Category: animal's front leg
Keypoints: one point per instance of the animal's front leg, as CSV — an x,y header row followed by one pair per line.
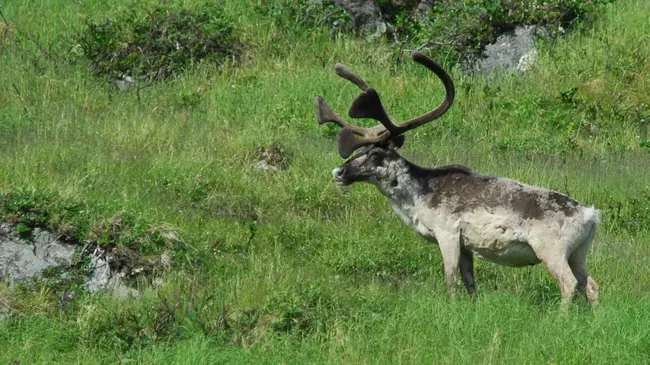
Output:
x,y
450,249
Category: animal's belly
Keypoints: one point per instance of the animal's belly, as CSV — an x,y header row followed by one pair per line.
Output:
x,y
506,253
498,239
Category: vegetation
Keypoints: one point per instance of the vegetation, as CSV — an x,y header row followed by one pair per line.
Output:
x,y
451,30
299,17
284,266
459,28
157,43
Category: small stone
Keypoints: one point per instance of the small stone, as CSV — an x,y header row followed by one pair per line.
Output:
x,y
101,278
263,165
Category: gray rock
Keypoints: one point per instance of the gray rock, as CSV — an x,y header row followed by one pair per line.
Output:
x,y
102,279
425,6
263,165
21,259
365,14
272,158
66,298
123,82
367,17
512,51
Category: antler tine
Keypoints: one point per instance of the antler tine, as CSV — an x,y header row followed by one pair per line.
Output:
x,y
325,114
347,74
442,108
347,143
368,105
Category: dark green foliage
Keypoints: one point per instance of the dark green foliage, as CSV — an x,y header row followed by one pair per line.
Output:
x,y
304,308
452,29
645,145
395,264
170,315
158,43
24,211
61,279
631,214
298,16
274,154
455,28
72,221
132,232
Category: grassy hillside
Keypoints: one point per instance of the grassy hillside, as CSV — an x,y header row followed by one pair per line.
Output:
x,y
287,267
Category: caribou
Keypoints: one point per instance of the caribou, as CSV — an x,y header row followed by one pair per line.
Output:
x,y
466,213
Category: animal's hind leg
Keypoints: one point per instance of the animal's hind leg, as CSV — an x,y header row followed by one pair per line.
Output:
x,y
557,264
592,291
559,268
586,284
577,261
450,249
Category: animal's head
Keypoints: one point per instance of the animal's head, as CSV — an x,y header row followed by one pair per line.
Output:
x,y
377,145
373,164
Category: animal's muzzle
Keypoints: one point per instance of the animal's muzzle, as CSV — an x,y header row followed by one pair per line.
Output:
x,y
339,176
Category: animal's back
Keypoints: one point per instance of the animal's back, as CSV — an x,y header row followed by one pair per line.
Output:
x,y
505,221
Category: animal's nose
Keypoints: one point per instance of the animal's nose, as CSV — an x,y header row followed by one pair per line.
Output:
x,y
338,172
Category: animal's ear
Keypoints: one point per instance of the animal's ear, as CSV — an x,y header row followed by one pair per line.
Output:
x,y
396,142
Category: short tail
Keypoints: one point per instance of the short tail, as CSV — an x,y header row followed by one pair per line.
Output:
x,y
592,215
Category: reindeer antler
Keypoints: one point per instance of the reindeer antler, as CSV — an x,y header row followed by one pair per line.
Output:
x,y
346,141
369,105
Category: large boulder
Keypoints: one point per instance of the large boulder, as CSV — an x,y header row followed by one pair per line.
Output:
x,y
513,50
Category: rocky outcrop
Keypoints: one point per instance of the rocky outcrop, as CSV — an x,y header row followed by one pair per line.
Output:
x,y
373,18
21,259
365,14
25,257
512,51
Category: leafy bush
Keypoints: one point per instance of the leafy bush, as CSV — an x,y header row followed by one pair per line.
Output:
x,y
456,28
452,27
297,16
158,43
25,213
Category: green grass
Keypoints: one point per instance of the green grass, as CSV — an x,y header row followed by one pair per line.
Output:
x,y
330,275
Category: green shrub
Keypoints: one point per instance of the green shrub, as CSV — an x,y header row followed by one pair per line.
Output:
x,y
156,43
459,27
298,16
452,28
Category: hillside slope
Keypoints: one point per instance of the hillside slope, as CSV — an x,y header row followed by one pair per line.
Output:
x,y
286,267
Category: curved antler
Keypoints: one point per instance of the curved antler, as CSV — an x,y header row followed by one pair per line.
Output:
x,y
345,139
369,105
347,74
450,93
